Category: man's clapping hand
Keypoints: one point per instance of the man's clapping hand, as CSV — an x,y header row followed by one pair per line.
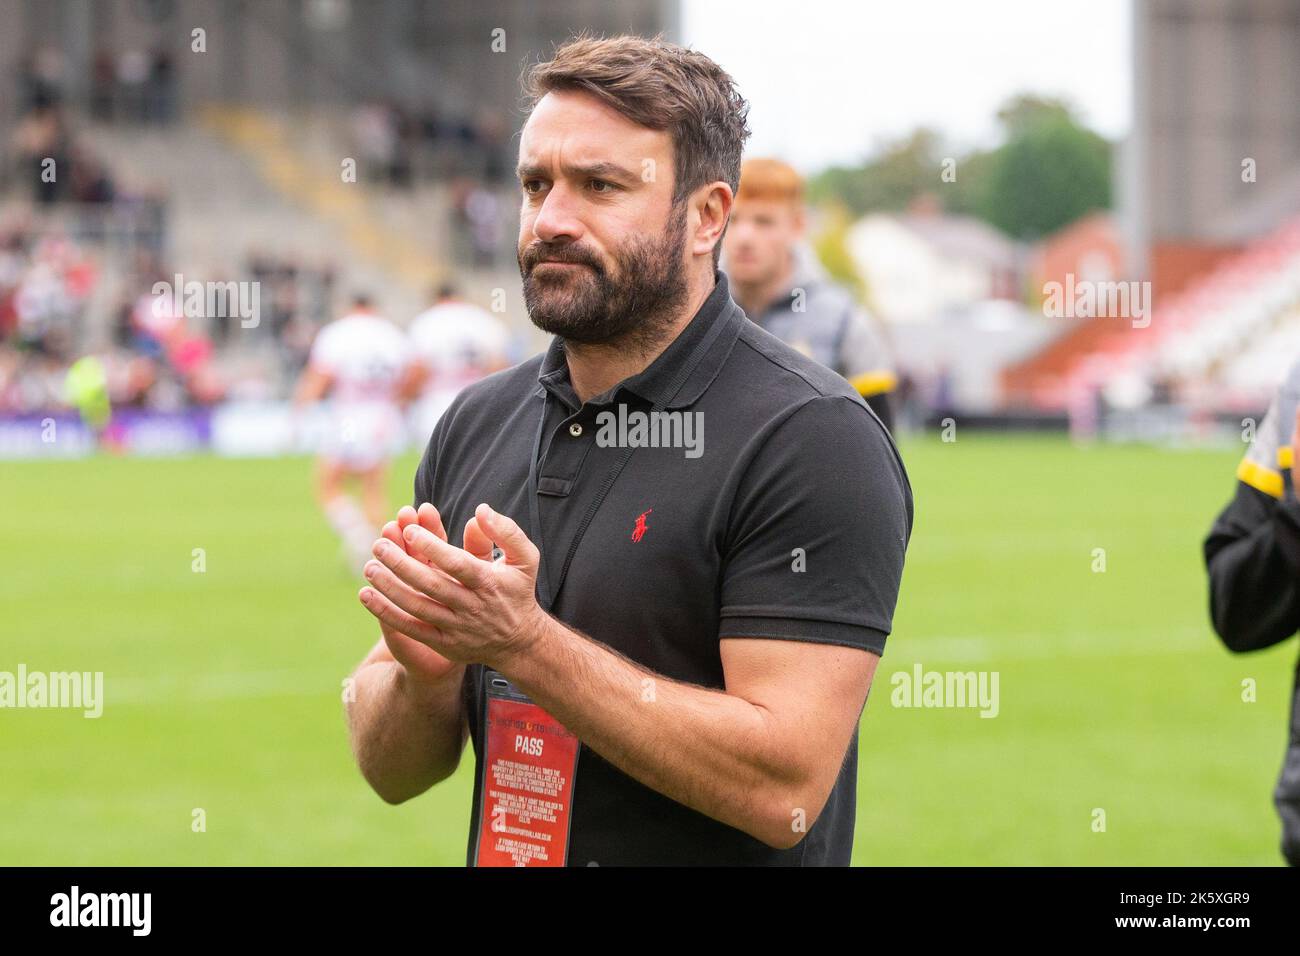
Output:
x,y
439,605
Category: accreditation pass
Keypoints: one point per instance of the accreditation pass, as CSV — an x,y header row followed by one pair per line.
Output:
x,y
526,801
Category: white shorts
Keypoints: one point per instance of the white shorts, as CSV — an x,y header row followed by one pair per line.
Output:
x,y
362,435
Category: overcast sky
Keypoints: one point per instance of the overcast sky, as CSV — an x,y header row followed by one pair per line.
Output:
x,y
828,80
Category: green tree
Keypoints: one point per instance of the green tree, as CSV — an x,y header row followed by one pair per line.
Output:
x,y
1049,172
1026,110
902,171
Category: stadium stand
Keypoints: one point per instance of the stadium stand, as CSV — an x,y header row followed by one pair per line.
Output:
x,y
1221,342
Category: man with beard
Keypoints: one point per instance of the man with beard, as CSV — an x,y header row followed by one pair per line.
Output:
x,y
659,658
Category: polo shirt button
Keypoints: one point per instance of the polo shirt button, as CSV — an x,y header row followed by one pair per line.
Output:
x,y
575,430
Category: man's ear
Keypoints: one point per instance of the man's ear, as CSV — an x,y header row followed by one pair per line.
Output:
x,y
711,208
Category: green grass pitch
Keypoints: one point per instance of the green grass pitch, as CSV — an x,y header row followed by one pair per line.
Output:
x,y
223,688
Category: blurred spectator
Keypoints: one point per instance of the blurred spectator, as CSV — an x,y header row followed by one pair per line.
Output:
x,y
57,167
76,280
103,84
159,104
90,182
158,358
493,142
375,130
479,214
42,148
40,79
403,146
133,71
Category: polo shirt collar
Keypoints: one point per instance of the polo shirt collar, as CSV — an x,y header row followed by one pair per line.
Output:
x,y
655,382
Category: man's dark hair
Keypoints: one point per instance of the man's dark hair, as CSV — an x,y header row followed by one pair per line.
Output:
x,y
660,86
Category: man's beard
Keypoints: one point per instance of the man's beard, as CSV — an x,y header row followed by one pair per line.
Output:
x,y
633,308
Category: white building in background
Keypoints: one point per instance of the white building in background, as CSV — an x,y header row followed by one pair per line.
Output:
x,y
950,290
920,266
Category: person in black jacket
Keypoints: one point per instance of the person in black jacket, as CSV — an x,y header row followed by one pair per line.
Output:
x,y
1253,557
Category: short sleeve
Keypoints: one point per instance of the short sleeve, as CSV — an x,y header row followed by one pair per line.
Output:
x,y
325,351
818,532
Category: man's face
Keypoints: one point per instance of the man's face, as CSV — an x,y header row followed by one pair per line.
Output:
x,y
602,249
760,239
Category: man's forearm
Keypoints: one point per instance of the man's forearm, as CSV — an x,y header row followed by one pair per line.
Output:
x,y
406,736
712,751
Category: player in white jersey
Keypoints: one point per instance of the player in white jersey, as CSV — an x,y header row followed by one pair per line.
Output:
x,y
457,343
362,366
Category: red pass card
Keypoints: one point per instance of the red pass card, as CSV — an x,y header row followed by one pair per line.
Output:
x,y
527,789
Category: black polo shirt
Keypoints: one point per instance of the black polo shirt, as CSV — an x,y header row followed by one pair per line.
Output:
x,y
789,521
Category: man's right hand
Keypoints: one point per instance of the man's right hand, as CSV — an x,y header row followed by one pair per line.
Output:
x,y
421,662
